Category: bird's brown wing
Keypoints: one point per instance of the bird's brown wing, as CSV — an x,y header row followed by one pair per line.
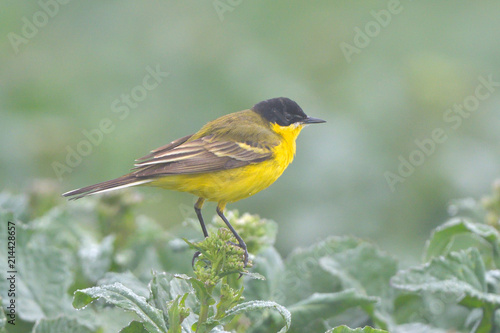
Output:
x,y
206,154
165,148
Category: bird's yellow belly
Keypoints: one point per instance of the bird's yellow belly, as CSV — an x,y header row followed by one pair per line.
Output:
x,y
234,184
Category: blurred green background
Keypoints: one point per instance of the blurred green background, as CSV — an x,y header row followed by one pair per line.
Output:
x,y
65,67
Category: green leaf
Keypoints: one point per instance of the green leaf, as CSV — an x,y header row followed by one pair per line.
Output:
x,y
460,234
17,205
148,249
254,276
418,328
44,274
259,305
96,258
437,309
60,324
460,275
134,327
303,275
228,299
324,306
99,315
218,329
177,312
200,289
121,296
364,268
337,264
345,329
166,287
269,264
128,279
161,292
368,270
493,281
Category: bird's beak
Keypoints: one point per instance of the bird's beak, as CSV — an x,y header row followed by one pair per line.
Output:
x,y
311,120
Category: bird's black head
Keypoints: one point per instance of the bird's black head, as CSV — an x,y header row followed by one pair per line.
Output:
x,y
283,111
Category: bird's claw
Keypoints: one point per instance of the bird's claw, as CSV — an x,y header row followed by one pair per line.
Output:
x,y
195,256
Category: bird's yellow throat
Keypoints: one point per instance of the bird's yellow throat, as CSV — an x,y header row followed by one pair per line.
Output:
x,y
288,147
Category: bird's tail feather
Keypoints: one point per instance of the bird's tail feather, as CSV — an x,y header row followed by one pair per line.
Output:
x,y
110,185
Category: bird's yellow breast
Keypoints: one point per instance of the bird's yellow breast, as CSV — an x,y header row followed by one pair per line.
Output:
x,y
235,184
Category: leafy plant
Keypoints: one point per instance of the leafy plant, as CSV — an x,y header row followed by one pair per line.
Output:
x,y
98,266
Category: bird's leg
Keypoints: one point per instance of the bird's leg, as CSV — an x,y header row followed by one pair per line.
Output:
x,y
241,243
197,209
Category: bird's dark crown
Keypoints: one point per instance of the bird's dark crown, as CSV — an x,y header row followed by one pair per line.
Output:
x,y
282,111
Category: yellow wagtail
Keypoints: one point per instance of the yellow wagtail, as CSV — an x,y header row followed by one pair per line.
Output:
x,y
229,159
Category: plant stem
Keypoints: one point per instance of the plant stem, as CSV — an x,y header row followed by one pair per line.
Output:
x,y
202,317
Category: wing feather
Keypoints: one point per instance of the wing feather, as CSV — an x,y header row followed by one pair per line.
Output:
x,y
240,139
166,147
200,156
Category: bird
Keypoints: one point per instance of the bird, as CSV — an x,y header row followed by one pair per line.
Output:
x,y
230,158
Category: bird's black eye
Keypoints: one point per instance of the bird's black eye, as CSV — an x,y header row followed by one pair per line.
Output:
x,y
282,119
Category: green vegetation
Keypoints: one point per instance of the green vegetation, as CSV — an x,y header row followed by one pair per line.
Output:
x,y
73,96
95,265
